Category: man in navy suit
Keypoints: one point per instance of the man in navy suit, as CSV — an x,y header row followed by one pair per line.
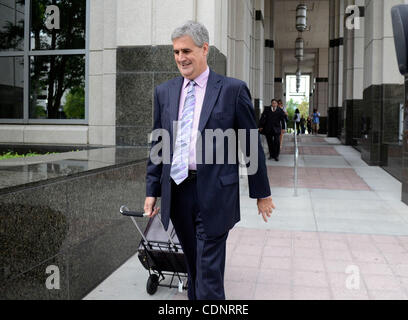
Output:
x,y
202,198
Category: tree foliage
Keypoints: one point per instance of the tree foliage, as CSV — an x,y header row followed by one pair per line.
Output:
x,y
291,106
304,108
74,104
56,74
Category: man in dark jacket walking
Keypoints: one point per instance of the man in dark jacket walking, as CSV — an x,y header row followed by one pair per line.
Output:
x,y
271,123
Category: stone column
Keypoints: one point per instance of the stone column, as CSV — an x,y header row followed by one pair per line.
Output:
x,y
383,84
353,73
102,73
321,94
269,65
239,40
256,84
335,66
279,80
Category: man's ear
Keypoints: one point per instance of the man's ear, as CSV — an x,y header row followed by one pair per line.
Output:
x,y
205,47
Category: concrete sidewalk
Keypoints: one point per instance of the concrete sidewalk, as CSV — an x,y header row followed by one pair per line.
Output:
x,y
345,236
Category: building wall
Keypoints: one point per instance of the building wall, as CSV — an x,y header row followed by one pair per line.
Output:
x,y
122,24
383,84
240,13
353,69
336,61
269,53
102,72
70,223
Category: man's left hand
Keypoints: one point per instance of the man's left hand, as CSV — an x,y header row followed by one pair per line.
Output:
x,y
265,207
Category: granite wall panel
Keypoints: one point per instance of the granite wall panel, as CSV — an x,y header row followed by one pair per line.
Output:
x,y
323,125
334,121
392,159
73,223
379,120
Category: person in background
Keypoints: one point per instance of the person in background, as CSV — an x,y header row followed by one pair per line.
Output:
x,y
302,125
271,123
296,118
283,108
315,122
309,125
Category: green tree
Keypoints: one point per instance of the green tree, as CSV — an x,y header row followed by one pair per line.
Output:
x,y
40,112
74,104
64,72
304,108
291,106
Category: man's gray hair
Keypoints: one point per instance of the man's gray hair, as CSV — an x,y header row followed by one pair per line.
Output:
x,y
197,31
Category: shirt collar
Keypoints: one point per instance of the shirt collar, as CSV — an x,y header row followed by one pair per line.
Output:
x,y
201,80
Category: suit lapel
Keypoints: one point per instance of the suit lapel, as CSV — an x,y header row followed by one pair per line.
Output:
x,y
174,98
214,85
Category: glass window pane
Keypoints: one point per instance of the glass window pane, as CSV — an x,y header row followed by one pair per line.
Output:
x,y
11,25
11,87
57,87
60,28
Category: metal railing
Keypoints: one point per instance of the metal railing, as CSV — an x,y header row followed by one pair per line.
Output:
x,y
296,158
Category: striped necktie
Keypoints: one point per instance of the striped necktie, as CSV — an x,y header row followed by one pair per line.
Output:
x,y
179,166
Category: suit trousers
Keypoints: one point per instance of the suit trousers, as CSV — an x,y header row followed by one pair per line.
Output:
x,y
273,144
205,256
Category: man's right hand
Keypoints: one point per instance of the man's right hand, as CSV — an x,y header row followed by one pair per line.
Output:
x,y
149,206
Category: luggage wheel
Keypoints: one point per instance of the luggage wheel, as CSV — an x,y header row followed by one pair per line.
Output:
x,y
152,284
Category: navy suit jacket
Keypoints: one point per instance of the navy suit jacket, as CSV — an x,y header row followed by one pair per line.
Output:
x,y
227,105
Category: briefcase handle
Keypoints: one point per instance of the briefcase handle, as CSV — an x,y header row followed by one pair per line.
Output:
x,y
126,212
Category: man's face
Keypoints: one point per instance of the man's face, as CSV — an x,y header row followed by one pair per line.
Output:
x,y
274,104
191,60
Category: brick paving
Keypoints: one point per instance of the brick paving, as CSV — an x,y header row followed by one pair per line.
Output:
x,y
320,178
306,139
269,264
311,150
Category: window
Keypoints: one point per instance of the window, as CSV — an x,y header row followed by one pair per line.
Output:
x,y
43,61
67,32
11,87
304,88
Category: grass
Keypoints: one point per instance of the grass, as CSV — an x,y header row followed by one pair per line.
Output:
x,y
12,155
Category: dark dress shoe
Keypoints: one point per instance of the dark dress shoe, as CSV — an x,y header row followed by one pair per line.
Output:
x,y
277,159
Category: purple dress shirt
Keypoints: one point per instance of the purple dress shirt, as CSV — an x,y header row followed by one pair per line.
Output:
x,y
200,87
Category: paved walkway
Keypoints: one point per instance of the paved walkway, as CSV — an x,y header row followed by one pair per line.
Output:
x,y
345,236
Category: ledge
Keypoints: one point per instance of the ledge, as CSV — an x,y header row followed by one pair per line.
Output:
x,y
33,133
25,172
